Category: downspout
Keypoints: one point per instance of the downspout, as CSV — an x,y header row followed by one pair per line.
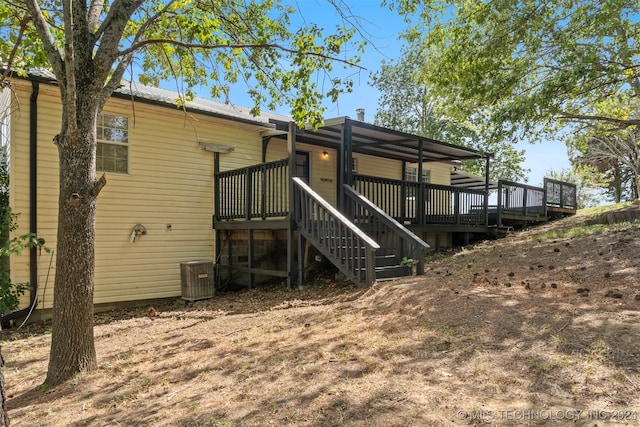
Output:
x,y
33,203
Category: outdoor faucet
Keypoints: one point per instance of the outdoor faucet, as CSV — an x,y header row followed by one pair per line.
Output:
x,y
137,230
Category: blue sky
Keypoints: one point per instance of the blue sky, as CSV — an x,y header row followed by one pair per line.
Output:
x,y
382,27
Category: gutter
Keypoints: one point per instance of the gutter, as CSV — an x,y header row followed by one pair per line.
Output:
x,y
33,204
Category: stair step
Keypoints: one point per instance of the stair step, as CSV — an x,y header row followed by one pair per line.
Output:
x,y
392,272
386,260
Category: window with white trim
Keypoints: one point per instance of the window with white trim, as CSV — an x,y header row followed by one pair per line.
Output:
x,y
113,143
411,175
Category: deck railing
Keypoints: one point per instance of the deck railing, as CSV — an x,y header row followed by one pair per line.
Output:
x,y
424,203
520,199
337,238
561,194
385,230
454,205
258,191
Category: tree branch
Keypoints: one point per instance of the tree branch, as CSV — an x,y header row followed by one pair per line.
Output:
x,y
621,123
23,25
69,60
110,35
93,15
98,185
48,42
141,44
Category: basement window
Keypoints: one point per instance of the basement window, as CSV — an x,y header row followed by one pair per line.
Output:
x,y
113,143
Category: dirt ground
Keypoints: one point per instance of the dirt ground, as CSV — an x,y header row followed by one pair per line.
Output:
x,y
539,328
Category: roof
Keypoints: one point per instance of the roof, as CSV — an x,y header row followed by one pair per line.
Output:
x,y
366,138
472,182
168,98
382,142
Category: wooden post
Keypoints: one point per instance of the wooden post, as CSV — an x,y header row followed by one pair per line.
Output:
x,y
346,171
229,253
301,260
486,191
403,193
263,202
216,186
419,197
291,151
499,209
456,205
250,254
247,194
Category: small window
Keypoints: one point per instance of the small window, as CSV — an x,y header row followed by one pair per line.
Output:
x,y
354,165
411,174
113,143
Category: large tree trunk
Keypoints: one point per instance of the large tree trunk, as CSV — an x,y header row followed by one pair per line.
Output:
x,y
4,416
72,344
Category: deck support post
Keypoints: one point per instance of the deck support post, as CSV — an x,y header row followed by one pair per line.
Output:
x,y
499,208
250,255
291,151
300,260
345,174
420,196
486,190
229,253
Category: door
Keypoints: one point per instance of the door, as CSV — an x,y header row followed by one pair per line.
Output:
x,y
302,165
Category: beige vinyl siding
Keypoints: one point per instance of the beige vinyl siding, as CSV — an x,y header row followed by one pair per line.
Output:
x,y
440,173
323,171
378,166
19,178
170,181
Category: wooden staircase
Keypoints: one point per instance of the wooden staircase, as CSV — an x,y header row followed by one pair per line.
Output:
x,y
355,253
390,266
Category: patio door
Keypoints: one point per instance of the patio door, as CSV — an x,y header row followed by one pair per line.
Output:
x,y
302,165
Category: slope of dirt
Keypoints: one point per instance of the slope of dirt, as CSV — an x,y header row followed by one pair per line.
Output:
x,y
538,328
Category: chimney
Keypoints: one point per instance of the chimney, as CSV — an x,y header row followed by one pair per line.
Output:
x,y
360,112
225,89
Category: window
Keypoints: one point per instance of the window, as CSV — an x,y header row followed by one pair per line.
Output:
x,y
113,143
302,165
411,174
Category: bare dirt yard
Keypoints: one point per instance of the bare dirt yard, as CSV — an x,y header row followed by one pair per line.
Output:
x,y
539,328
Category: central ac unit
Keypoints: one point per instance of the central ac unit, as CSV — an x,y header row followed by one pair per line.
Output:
x,y
198,280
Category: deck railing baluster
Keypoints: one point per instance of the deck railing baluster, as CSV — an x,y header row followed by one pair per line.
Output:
x,y
259,191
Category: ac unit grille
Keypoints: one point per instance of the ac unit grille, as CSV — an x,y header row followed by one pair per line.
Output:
x,y
198,281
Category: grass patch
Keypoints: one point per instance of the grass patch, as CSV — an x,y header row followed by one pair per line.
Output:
x,y
586,230
597,210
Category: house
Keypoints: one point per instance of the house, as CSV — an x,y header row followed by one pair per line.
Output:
x,y
254,196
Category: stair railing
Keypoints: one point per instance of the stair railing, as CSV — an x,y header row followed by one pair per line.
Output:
x,y
386,230
337,238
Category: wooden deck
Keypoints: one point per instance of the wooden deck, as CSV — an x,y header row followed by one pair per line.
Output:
x,y
260,197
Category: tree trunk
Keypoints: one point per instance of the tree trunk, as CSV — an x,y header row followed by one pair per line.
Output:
x,y
72,344
4,416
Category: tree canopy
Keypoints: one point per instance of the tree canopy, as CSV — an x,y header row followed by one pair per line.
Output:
x,y
212,43
531,65
407,103
90,45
